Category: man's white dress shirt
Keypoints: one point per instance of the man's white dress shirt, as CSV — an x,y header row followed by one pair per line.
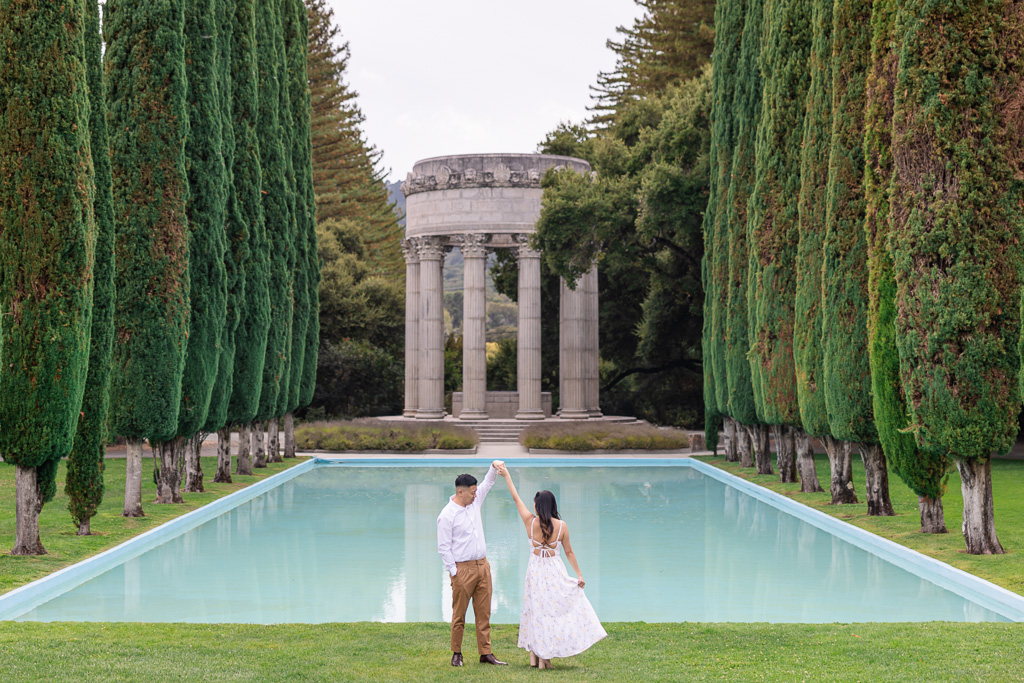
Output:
x,y
460,531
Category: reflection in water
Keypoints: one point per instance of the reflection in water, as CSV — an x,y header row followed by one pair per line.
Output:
x,y
657,544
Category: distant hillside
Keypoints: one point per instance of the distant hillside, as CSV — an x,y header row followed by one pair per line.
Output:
x,y
396,197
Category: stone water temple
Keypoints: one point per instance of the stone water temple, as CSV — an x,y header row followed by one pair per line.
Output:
x,y
480,202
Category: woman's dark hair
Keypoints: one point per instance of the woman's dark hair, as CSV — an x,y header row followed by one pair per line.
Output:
x,y
547,509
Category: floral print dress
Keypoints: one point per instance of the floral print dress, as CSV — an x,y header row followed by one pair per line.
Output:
x,y
557,619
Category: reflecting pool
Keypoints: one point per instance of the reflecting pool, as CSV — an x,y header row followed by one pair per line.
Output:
x,y
358,543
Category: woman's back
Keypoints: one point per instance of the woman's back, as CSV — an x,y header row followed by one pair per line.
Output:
x,y
546,548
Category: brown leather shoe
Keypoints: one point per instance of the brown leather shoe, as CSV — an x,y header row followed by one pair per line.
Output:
x,y
456,659
491,659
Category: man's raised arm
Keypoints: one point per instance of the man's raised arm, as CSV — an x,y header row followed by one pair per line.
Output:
x,y
486,484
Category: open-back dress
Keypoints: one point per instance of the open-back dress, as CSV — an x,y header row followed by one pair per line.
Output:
x,y
557,619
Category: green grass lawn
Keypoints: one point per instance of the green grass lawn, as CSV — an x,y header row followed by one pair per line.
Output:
x,y
58,532
419,652
904,528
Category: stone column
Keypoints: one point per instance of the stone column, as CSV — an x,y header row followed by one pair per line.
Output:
x,y
474,328
573,379
593,378
430,370
528,361
410,248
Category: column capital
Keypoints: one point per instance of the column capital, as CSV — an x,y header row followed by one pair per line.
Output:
x,y
410,248
432,248
473,245
523,245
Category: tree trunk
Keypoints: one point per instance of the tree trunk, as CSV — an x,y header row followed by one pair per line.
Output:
x,y
762,450
840,463
273,441
243,466
289,435
805,463
223,475
28,503
876,480
259,444
133,479
193,464
731,454
785,453
744,447
84,529
747,455
168,485
933,519
979,518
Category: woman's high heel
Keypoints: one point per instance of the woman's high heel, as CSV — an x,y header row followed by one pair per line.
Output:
x,y
545,664
534,659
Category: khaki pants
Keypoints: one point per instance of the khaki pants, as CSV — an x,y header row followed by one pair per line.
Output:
x,y
472,581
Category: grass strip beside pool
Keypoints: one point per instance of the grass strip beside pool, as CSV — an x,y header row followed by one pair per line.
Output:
x,y
904,528
58,533
419,652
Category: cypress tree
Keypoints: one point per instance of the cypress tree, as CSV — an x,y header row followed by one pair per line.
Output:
x,y
235,252
207,242
772,215
807,327
145,62
84,483
747,106
712,418
846,368
254,311
924,472
955,211
274,129
298,88
46,247
729,18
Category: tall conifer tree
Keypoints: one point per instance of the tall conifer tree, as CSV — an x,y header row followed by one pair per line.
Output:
x,y
297,38
46,247
236,248
84,483
956,209
772,219
207,240
729,17
145,62
250,249
274,128
846,370
807,327
923,471
346,181
747,105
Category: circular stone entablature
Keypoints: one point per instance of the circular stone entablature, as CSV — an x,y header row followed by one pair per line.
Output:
x,y
498,194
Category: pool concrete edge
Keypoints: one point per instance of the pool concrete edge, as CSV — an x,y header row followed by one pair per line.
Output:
x,y
26,598
974,588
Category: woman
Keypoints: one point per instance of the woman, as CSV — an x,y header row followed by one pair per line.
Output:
x,y
557,619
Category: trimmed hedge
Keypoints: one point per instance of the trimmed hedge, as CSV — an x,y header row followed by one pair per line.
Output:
x,y
587,437
374,435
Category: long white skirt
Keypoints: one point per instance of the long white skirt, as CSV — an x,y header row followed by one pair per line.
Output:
x,y
557,619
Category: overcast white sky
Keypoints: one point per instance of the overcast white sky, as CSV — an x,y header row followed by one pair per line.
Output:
x,y
439,77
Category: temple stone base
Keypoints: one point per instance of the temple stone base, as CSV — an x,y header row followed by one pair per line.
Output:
x,y
502,405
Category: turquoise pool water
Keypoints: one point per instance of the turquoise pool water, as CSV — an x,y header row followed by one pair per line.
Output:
x,y
358,543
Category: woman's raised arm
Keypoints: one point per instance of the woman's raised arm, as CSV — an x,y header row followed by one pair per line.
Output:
x,y
524,512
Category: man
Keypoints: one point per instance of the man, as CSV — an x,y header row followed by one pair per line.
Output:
x,y
460,540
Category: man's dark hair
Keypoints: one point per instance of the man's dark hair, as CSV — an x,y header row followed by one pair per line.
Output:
x,y
465,481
